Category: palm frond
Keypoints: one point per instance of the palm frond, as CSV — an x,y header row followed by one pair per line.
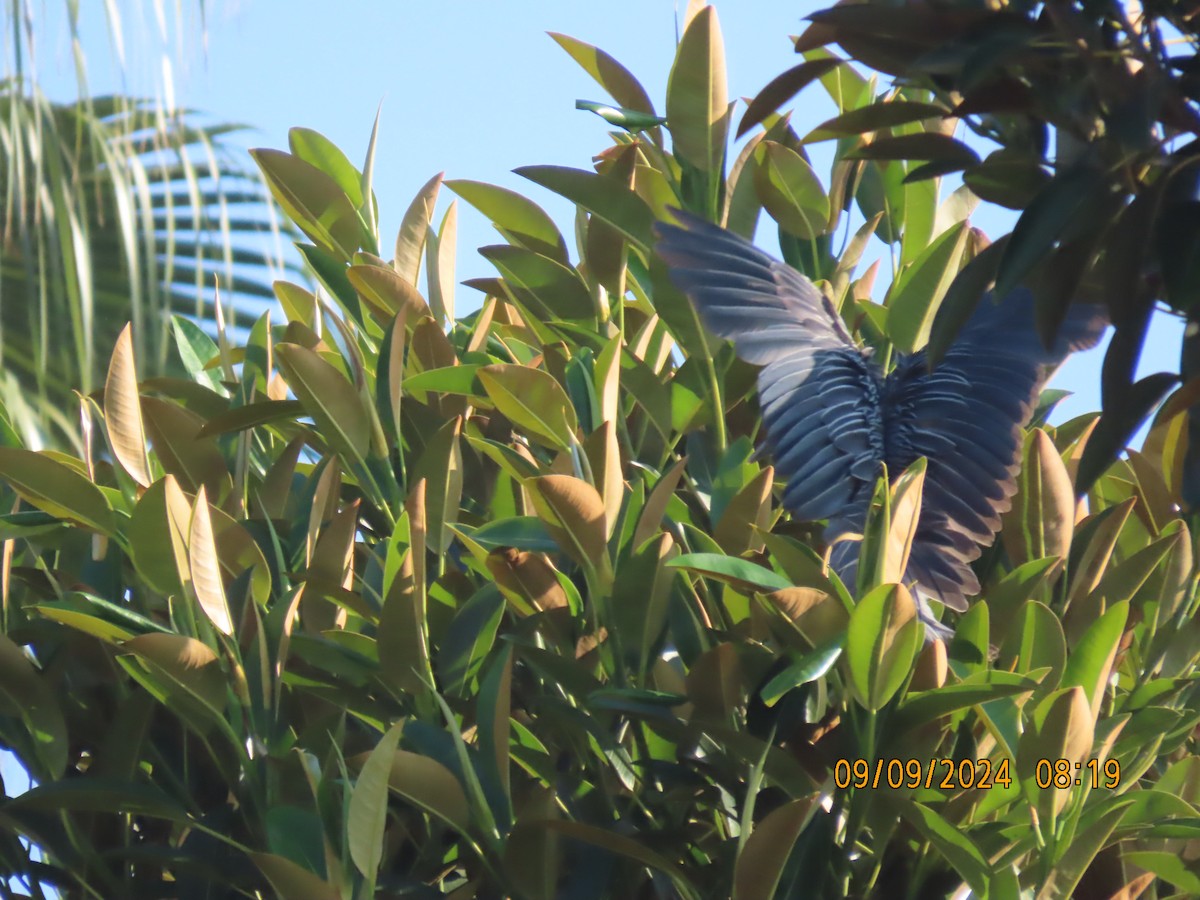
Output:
x,y
116,210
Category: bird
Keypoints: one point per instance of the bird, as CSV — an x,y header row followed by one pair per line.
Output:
x,y
833,419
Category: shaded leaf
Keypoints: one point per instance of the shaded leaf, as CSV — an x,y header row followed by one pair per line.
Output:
x,y
56,489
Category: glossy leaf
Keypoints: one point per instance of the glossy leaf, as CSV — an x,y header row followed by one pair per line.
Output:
x,y
915,299
697,104
533,400
608,73
312,199
615,204
882,643
328,397
57,489
573,511
790,191
519,219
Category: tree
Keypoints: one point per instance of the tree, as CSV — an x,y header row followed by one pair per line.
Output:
x,y
1091,109
115,208
505,606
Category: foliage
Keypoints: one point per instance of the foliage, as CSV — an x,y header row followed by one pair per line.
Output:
x,y
386,602
1089,111
114,207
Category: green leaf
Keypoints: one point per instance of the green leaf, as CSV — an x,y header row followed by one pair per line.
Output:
x,y
533,401
1009,177
1078,855
28,695
440,252
790,190
1117,425
555,289
952,843
441,465
914,300
783,88
469,639
740,573
604,197
873,118
1167,866
329,398
697,103
962,297
196,350
519,219
56,489
1092,657
930,145
241,418
158,536
186,675
101,795
522,532
808,668
882,642
608,73
297,834
926,706
182,447
495,708
313,200
317,150
1054,209
1036,642
367,813
1043,512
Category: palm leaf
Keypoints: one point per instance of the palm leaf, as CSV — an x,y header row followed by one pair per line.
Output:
x,y
116,211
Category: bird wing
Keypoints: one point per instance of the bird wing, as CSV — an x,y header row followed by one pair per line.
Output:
x,y
820,396
967,418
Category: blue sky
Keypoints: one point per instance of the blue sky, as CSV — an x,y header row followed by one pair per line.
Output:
x,y
470,88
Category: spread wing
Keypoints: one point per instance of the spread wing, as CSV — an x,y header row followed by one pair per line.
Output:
x,y
967,417
820,396
831,419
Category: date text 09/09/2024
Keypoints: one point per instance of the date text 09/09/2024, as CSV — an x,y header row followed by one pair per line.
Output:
x,y
949,774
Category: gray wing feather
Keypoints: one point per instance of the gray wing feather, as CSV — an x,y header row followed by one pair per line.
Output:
x,y
831,419
967,418
819,394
